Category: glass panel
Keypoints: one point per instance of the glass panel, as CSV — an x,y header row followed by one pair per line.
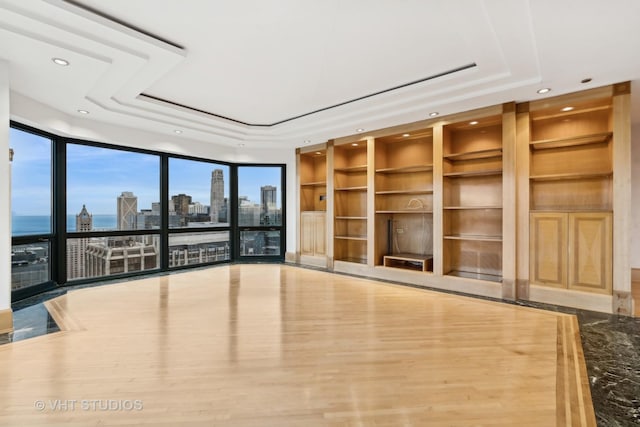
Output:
x,y
260,242
29,265
259,196
198,248
111,189
30,183
104,256
198,194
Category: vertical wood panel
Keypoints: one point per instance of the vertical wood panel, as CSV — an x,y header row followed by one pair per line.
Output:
x,y
509,228
522,200
548,249
590,252
438,194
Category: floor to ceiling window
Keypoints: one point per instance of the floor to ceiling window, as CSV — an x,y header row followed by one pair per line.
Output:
x,y
260,214
113,211
199,212
31,209
82,211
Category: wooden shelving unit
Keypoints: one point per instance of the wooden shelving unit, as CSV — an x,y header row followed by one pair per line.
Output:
x,y
350,202
312,170
571,194
404,200
472,198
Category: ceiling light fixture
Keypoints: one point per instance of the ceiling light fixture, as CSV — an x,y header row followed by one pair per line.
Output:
x,y
567,109
544,90
318,153
587,80
83,112
406,135
435,113
60,61
473,123
307,141
359,130
355,144
178,131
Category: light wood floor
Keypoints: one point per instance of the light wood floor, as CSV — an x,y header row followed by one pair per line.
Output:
x,y
273,345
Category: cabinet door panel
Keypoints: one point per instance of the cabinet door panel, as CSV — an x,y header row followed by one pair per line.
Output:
x,y
590,252
307,233
320,228
548,247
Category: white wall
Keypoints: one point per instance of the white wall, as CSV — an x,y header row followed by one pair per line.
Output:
x,y
635,196
27,111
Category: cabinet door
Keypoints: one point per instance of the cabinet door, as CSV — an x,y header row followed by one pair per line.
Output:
x,y
307,233
590,252
548,249
320,229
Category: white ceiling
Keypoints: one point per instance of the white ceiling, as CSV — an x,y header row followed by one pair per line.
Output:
x,y
271,65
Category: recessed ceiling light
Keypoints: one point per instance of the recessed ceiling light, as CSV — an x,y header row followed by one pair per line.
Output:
x,y
355,144
567,109
83,112
307,141
587,80
544,90
435,113
406,134
318,152
473,123
60,61
359,130
178,131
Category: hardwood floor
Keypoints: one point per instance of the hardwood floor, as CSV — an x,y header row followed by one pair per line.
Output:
x,y
275,345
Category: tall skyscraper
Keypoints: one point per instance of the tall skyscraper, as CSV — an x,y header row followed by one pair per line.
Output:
x,y
217,195
127,211
77,248
268,199
181,204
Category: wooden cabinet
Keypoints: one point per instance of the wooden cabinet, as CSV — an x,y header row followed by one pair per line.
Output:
x,y
572,250
404,200
312,171
571,193
313,235
472,198
350,202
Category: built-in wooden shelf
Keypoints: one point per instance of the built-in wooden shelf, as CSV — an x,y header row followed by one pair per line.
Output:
x,y
471,207
570,176
357,168
404,211
596,138
357,237
473,237
569,210
475,155
409,261
357,188
352,217
463,174
406,169
314,184
417,191
474,275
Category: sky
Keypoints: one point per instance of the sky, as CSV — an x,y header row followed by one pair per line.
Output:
x,y
97,176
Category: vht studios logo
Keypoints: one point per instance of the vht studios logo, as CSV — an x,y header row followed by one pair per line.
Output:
x,y
63,405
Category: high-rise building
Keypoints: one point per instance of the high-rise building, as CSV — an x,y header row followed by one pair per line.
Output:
x,y
181,204
107,256
268,200
127,211
217,195
77,248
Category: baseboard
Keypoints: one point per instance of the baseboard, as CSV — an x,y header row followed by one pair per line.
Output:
x,y
6,321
